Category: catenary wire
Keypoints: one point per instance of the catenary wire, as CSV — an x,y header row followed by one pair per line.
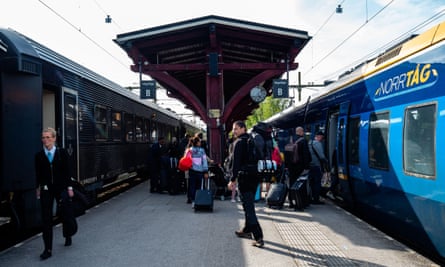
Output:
x,y
85,35
349,37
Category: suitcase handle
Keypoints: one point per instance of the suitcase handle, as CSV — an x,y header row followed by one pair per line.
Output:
x,y
208,183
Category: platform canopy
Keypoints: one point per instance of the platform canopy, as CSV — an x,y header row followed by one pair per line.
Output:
x,y
211,63
181,50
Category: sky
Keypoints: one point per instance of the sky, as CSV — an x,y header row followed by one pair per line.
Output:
x,y
77,29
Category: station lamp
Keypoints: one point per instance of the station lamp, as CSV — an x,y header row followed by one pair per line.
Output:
x,y
339,9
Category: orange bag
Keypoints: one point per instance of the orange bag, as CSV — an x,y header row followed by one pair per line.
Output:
x,y
185,163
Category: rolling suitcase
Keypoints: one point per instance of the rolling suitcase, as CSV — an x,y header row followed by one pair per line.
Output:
x,y
276,195
300,192
204,197
277,192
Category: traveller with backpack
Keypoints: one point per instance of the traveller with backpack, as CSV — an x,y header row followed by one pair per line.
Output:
x,y
318,164
297,158
247,183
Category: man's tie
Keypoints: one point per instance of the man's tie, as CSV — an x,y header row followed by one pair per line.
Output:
x,y
50,157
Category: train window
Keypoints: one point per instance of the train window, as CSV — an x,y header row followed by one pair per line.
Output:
x,y
70,117
139,126
154,132
129,127
100,117
353,139
378,140
418,141
146,131
116,126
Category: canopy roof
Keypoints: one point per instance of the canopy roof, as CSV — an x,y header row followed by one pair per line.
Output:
x,y
245,50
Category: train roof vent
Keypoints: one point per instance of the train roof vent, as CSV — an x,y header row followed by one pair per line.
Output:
x,y
388,55
393,51
30,67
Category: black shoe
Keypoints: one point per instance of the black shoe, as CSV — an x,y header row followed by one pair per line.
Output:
x,y
241,234
189,201
258,243
45,255
68,241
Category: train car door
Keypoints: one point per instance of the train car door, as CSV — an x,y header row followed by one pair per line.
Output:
x,y
71,129
345,186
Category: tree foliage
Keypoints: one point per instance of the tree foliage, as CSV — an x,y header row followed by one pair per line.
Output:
x,y
269,107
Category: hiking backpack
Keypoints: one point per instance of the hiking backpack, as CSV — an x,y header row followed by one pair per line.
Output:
x,y
259,152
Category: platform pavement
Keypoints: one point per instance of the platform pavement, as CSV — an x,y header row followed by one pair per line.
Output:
x,y
138,228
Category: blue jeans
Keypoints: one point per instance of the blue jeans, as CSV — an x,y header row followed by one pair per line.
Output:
x,y
251,224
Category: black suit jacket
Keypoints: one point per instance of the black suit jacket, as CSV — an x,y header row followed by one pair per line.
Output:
x,y
55,175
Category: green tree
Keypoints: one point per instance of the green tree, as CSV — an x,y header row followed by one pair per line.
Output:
x,y
269,107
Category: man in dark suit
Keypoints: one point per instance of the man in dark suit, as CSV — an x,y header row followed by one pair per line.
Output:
x,y
53,183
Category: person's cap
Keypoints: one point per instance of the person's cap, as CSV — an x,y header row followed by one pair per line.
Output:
x,y
319,133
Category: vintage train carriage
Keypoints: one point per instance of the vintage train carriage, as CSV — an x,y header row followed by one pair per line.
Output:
x,y
106,129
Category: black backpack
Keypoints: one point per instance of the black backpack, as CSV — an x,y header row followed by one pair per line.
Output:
x,y
259,151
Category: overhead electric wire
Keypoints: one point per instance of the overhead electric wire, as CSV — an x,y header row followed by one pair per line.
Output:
x,y
349,37
326,21
394,41
85,35
406,34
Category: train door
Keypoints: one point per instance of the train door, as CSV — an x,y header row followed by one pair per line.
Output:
x,y
70,128
344,181
331,139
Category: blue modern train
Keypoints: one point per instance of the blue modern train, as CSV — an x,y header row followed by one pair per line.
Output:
x,y
383,121
106,129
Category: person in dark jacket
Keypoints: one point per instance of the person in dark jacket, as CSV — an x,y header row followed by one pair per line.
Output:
x,y
247,184
303,160
159,166
53,183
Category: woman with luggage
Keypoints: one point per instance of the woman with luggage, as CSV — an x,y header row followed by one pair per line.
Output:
x,y
199,170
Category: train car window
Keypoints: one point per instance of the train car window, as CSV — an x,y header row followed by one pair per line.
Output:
x,y
283,138
353,139
70,117
100,117
154,132
378,141
146,131
116,126
418,141
129,127
138,129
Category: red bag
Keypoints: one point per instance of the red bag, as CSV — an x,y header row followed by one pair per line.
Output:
x,y
276,155
185,163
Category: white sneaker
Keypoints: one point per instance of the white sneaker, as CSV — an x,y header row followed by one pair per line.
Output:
x,y
193,205
233,201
